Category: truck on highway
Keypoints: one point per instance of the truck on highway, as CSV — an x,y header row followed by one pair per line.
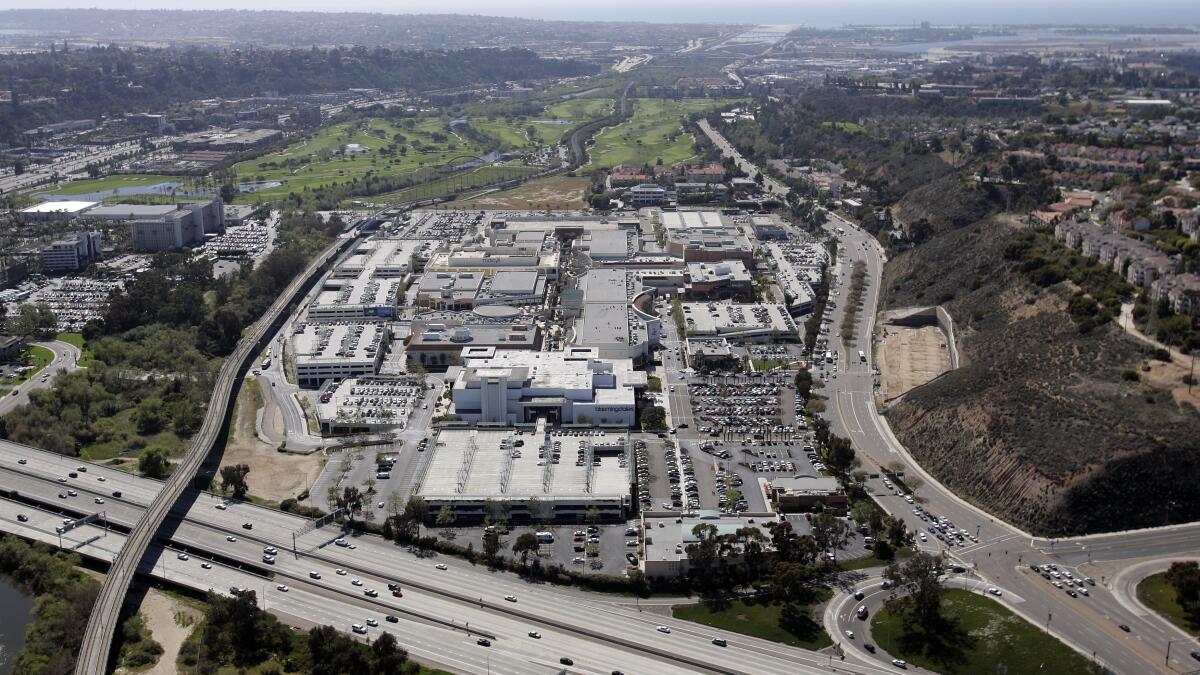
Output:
x,y
862,356
266,363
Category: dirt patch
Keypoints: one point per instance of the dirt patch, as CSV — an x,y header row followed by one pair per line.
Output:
x,y
1171,376
909,357
274,475
170,622
555,192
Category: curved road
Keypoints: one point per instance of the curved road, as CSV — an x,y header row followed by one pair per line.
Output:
x,y
66,358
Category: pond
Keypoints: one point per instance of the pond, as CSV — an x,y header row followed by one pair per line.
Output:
x,y
14,620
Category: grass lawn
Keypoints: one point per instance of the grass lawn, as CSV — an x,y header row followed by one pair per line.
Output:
x,y
75,339
872,561
765,619
989,639
457,183
646,137
852,127
316,159
112,182
1156,593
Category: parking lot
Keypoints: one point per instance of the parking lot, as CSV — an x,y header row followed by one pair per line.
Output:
x,y
575,547
752,412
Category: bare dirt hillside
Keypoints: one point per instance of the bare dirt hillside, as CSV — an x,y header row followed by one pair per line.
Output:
x,y
1042,425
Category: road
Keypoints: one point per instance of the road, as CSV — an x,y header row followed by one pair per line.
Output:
x,y
602,633
1002,554
97,642
769,184
43,173
66,358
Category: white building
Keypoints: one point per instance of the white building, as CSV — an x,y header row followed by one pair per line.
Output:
x,y
56,210
572,387
73,254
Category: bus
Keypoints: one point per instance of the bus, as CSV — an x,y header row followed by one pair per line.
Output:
x,y
862,356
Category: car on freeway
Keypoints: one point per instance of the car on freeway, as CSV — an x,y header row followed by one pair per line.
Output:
x,y
206,565
371,593
269,559
1123,627
858,595
98,500
182,556
535,635
994,591
220,507
271,550
62,495
230,537
441,566
566,661
664,629
340,572
117,494
483,642
397,593
314,575
720,642
248,526
356,582
73,493
900,663
358,628
282,587
372,623
22,518
510,598
392,618
869,647
101,479
22,461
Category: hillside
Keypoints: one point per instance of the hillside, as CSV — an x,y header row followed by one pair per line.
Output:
x,y
1042,424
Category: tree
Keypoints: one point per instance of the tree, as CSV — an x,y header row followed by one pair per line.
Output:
x,y
525,544
389,657
445,517
491,543
233,477
35,322
153,463
918,578
840,455
416,511
654,417
592,516
1184,577
829,531
867,513
149,417
228,193
351,500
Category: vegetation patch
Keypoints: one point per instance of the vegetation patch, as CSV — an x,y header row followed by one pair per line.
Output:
x,y
1174,595
790,624
978,636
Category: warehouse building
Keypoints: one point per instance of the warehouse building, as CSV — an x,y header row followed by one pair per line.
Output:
x,y
609,320
337,351
437,345
514,474
571,387
55,210
667,536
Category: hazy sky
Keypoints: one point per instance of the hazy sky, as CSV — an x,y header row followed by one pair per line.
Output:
x,y
812,12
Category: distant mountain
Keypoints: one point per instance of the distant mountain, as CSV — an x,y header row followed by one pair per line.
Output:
x,y
303,29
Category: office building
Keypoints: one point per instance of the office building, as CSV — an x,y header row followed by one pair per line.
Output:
x,y
71,254
571,387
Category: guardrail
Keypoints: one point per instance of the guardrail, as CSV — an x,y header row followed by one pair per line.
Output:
x,y
97,641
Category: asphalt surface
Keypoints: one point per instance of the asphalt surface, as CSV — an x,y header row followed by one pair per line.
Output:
x,y
601,633
66,358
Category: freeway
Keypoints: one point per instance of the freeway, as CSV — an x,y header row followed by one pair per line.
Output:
x,y
604,630
44,173
94,655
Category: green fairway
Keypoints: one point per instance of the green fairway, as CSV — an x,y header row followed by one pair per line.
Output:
x,y
401,148
458,183
113,182
981,636
766,619
1157,593
652,133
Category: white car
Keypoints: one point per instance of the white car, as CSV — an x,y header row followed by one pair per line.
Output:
x,y
101,478
205,565
356,582
99,500
221,507
440,566
994,591
314,575
340,572
664,629
282,587
510,598
372,623
230,538
182,556
850,634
